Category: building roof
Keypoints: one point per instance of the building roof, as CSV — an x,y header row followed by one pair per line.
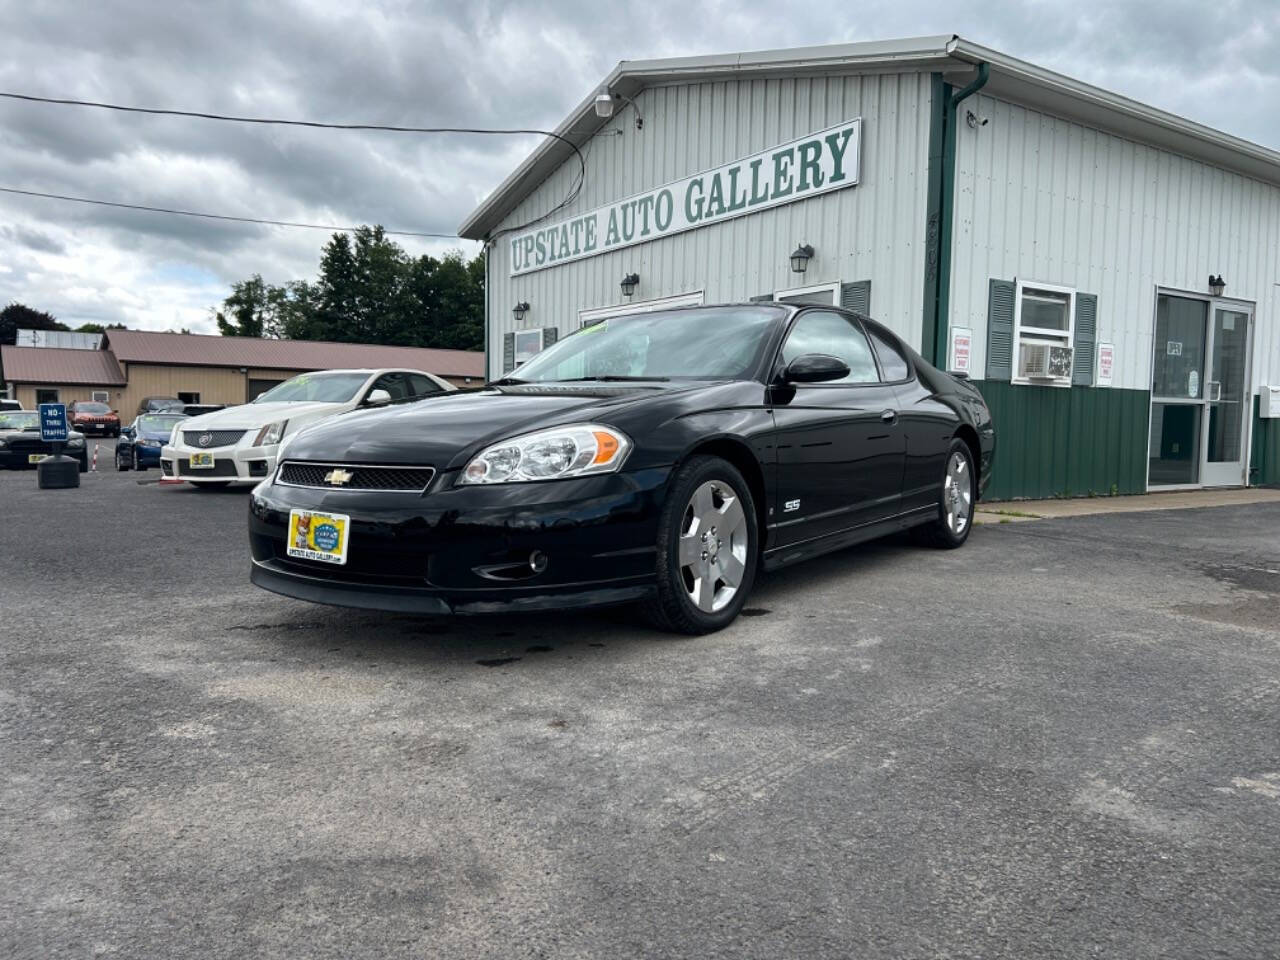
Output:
x,y
60,365
956,58
200,350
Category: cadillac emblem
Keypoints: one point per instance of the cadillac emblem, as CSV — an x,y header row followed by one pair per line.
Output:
x,y
338,477
205,439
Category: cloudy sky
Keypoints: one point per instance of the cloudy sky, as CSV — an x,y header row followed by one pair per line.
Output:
x,y
480,63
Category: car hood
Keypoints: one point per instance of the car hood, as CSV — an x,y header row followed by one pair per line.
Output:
x,y
249,416
444,430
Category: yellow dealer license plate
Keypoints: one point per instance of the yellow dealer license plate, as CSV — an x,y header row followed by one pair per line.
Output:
x,y
318,536
35,457
202,461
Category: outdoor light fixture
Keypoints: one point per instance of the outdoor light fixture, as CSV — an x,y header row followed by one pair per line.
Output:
x,y
800,259
1216,285
629,284
604,106
519,310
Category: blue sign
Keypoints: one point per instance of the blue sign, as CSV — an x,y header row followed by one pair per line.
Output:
x,y
53,421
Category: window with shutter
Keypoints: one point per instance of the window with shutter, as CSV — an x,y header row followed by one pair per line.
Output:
x,y
1085,338
856,297
1000,301
1044,320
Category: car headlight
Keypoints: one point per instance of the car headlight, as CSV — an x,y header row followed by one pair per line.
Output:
x,y
173,436
75,443
577,450
4,442
270,434
148,443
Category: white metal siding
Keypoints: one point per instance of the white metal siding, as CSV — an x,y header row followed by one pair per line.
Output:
x,y
872,231
1045,199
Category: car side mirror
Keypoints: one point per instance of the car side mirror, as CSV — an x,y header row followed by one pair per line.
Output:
x,y
815,368
376,397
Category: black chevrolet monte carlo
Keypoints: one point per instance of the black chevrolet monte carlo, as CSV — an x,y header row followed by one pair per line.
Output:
x,y
661,458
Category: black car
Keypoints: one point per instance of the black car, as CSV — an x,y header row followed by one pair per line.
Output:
x,y
660,457
21,447
160,405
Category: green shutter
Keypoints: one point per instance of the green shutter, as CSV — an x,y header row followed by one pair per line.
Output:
x,y
763,298
508,352
1086,338
549,336
856,297
1000,297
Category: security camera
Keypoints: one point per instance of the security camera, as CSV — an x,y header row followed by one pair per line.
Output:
x,y
971,118
604,106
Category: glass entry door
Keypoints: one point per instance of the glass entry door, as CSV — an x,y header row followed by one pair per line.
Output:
x,y
1199,393
1227,398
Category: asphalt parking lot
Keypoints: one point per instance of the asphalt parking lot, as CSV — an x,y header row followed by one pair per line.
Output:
x,y
1060,741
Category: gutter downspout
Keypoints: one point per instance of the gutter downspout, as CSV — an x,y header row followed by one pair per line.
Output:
x,y
942,183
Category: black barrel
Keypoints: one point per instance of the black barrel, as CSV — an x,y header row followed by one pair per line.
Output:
x,y
58,473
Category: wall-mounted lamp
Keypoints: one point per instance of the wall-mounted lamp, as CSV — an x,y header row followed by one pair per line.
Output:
x,y
800,259
629,284
1217,285
519,310
606,103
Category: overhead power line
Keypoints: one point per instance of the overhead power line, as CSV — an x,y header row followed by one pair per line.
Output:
x,y
317,125
217,216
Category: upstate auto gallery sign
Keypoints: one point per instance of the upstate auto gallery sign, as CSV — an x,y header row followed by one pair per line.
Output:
x,y
818,163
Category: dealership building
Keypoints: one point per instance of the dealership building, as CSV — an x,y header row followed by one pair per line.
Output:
x,y
1107,273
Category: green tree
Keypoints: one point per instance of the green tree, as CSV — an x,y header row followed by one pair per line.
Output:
x,y
18,316
368,291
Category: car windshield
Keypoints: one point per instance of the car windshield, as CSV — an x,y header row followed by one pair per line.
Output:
x,y
721,343
315,388
160,404
19,420
158,423
92,408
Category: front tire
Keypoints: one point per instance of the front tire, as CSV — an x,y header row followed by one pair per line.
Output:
x,y
708,549
137,461
956,501
120,464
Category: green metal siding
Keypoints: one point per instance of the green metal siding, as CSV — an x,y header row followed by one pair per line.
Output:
x,y
1058,442
1264,465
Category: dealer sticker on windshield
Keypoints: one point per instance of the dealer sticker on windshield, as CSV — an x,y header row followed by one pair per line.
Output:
x,y
318,536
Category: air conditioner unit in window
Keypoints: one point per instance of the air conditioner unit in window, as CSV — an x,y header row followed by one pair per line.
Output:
x,y
1044,361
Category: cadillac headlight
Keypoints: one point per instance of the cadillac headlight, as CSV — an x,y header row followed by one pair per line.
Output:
x,y
270,434
578,450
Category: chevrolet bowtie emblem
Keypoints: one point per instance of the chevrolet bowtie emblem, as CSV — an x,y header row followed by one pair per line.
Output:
x,y
338,477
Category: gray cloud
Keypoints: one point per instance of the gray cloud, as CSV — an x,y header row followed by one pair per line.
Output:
x,y
487,63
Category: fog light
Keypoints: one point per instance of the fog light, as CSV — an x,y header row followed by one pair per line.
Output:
x,y
537,561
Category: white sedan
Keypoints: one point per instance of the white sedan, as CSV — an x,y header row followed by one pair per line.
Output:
x,y
241,444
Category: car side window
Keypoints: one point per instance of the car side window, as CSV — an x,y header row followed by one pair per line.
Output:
x,y
830,333
396,384
892,362
423,386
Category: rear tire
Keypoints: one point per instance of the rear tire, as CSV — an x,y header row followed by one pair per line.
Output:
x,y
707,549
957,497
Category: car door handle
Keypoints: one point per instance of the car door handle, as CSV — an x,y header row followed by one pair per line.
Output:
x,y
889,416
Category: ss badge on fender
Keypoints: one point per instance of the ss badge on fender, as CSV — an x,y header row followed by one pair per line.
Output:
x,y
791,506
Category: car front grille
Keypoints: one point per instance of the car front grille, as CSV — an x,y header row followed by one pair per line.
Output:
x,y
356,477
217,438
221,468
27,447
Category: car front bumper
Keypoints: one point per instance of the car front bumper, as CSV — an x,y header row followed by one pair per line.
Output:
x,y
470,549
99,428
239,464
21,459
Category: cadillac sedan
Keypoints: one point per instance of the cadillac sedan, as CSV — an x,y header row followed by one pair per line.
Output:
x,y
661,458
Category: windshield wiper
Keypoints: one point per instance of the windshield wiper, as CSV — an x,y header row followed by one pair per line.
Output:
x,y
612,378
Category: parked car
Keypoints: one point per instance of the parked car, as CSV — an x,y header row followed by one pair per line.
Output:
x,y
196,409
240,444
21,447
10,405
160,405
661,457
140,442
90,416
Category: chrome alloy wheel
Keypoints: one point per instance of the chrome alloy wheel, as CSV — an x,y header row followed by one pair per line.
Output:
x,y
957,494
713,546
